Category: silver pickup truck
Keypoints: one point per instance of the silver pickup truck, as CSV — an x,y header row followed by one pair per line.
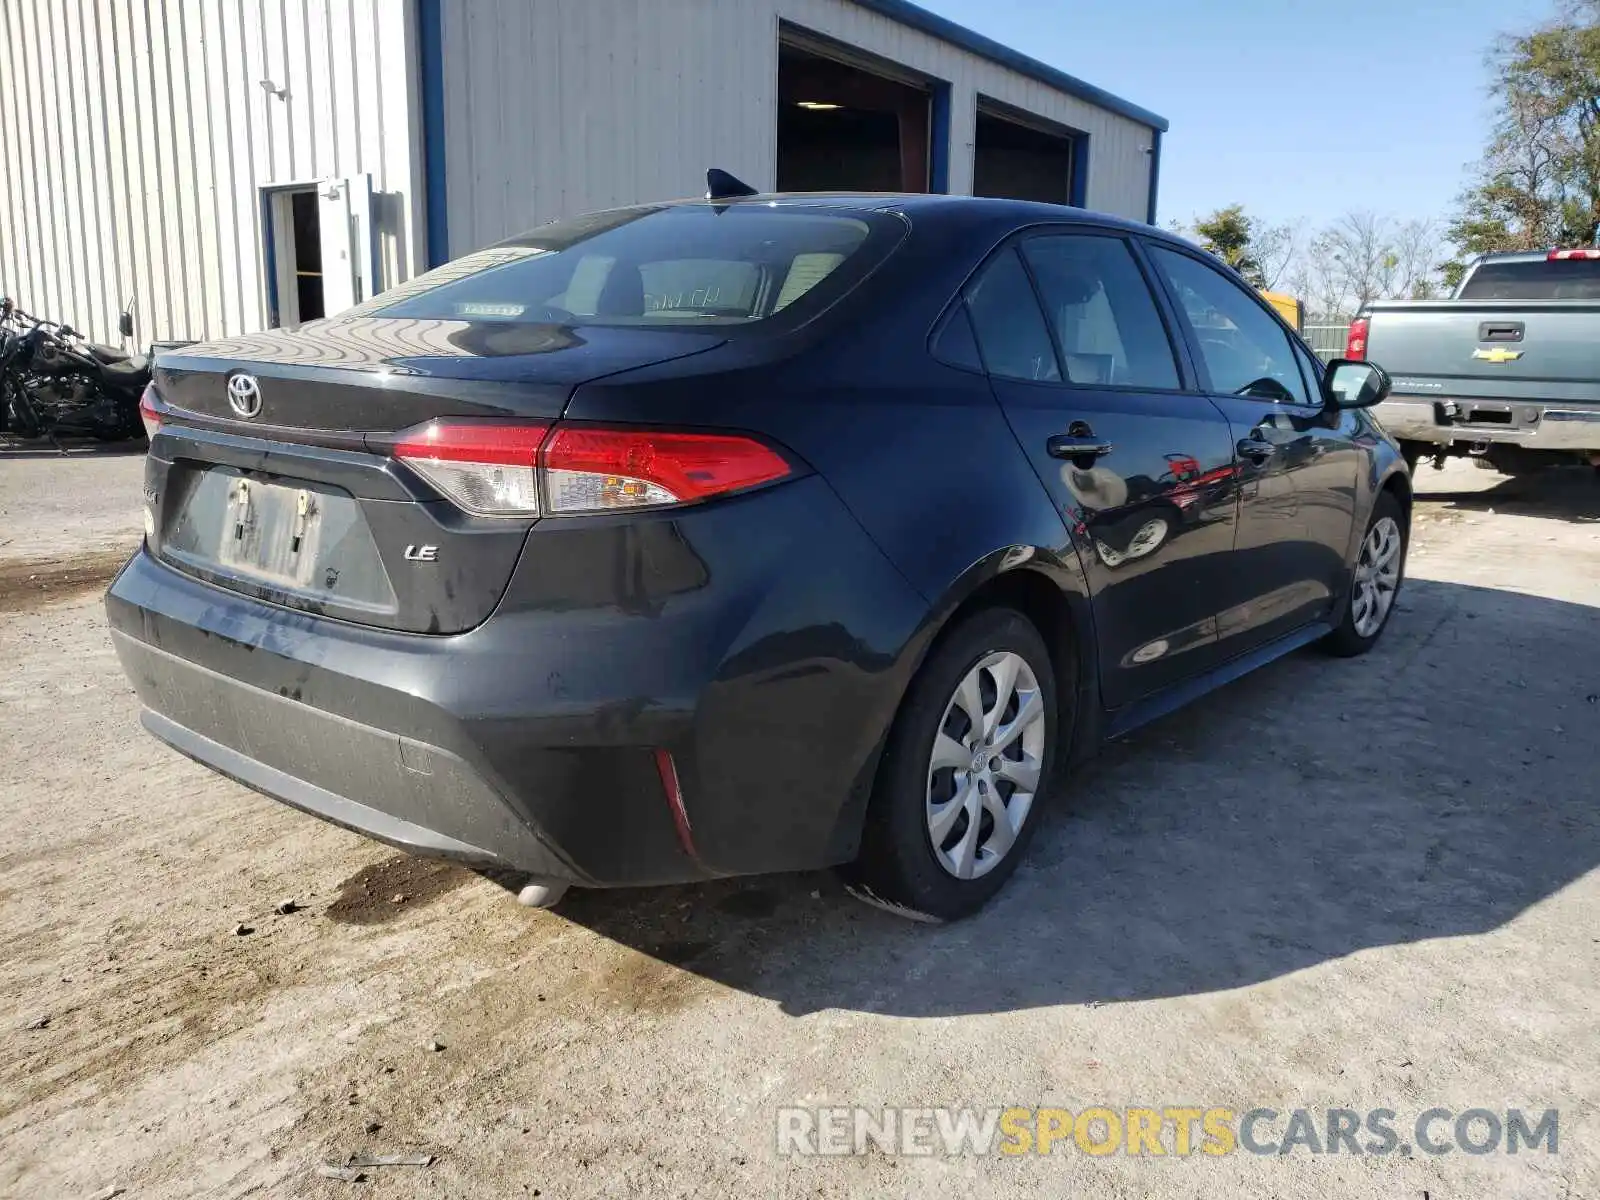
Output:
x,y
1508,371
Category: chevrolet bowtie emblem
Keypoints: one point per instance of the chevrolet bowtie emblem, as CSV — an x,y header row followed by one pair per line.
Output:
x,y
1497,355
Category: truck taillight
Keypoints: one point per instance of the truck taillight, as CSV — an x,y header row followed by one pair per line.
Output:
x,y
499,469
1355,343
1587,252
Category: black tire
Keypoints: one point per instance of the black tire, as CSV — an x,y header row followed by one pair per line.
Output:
x,y
898,867
1412,453
1346,640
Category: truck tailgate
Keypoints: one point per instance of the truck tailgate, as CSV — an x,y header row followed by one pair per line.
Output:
x,y
1537,350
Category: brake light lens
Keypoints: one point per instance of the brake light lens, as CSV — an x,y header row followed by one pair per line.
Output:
x,y
519,470
487,468
1355,345
589,470
148,412
1586,252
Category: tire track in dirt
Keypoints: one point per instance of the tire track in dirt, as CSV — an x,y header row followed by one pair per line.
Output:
x,y
29,583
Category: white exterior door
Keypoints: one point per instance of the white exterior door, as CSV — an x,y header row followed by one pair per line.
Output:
x,y
334,221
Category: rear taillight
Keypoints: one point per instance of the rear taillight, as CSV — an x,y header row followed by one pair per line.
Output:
x,y
148,412
486,468
1587,252
1355,343
600,470
504,470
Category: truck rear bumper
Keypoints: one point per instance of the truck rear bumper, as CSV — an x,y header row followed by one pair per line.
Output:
x,y
1524,423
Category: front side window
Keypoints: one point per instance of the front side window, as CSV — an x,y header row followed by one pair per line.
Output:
x,y
687,265
1246,352
1312,368
1011,331
1105,319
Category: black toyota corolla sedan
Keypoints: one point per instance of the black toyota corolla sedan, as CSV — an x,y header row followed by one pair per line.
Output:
x,y
759,534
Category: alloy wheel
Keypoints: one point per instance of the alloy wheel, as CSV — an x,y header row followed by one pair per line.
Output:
x,y
984,770
1377,577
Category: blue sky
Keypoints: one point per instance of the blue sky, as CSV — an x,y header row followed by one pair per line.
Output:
x,y
1294,109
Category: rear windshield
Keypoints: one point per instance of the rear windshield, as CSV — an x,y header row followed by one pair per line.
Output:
x,y
683,265
1561,279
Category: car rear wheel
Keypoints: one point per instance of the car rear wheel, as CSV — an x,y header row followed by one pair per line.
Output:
x,y
963,776
1375,582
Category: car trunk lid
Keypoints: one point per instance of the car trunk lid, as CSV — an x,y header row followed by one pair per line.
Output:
x,y
293,495
379,375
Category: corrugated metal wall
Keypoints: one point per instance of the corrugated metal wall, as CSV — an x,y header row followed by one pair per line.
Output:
x,y
135,134
562,106
566,106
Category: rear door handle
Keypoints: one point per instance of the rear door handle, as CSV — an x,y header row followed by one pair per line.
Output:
x,y
1257,450
1064,445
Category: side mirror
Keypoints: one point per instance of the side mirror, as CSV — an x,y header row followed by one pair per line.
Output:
x,y
1351,384
125,324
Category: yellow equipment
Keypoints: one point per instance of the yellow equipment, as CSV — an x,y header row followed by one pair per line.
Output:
x,y
1290,309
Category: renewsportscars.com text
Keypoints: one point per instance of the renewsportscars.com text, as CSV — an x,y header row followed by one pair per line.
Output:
x,y
1169,1131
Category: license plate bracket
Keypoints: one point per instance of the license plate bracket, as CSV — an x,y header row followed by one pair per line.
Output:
x,y
271,532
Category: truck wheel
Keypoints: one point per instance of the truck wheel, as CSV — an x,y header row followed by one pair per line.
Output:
x,y
1375,581
965,772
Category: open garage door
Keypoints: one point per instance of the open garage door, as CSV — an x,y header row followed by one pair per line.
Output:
x,y
847,121
1022,157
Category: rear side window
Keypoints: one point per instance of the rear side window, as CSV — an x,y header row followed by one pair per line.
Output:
x,y
1105,319
954,343
675,266
1010,328
1560,279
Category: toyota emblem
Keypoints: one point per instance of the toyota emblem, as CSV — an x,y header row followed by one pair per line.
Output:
x,y
244,395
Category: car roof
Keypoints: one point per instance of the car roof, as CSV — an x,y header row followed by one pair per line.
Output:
x,y
980,209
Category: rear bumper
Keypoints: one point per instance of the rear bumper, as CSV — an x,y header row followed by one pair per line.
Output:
x,y
1532,424
767,663
417,797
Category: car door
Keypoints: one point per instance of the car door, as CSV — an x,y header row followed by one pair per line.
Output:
x,y
1297,460
1140,464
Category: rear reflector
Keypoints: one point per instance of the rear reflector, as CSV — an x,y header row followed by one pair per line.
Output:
x,y
668,770
1355,345
148,412
518,470
1564,255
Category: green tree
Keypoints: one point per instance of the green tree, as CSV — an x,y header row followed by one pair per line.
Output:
x,y
1229,234
1538,184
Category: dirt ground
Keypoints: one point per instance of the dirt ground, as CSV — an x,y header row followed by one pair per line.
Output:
x,y
1361,884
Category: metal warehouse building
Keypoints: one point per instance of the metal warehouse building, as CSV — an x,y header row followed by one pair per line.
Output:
x,y
237,164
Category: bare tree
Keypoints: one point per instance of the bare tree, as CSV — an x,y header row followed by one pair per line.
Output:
x,y
1276,248
1418,250
1365,256
1359,255
1319,281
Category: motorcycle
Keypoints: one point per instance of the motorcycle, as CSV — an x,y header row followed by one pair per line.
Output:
x,y
55,383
